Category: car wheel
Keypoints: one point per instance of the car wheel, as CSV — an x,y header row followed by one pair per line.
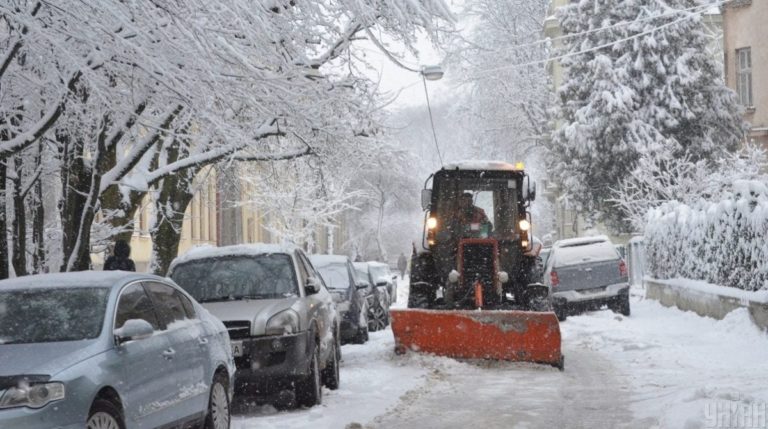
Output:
x,y
104,415
218,404
561,311
331,372
621,305
377,318
310,390
362,327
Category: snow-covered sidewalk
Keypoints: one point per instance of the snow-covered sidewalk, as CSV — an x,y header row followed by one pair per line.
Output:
x,y
659,368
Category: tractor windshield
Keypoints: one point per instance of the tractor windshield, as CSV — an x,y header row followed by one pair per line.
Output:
x,y
477,207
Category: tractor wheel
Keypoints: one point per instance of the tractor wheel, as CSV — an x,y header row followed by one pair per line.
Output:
x,y
422,294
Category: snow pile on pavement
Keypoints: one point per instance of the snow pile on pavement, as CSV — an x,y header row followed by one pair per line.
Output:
x,y
683,370
724,243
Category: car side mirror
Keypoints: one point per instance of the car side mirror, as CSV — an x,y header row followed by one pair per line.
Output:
x,y
426,199
134,329
313,286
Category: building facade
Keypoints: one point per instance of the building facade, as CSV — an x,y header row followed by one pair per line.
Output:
x,y
746,61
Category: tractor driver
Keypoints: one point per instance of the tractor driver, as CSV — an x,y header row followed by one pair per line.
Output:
x,y
472,219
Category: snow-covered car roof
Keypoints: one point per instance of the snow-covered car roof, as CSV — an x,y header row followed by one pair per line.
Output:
x,y
480,165
328,259
208,251
377,264
73,279
580,241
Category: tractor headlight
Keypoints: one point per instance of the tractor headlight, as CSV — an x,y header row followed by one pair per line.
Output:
x,y
32,396
431,223
524,225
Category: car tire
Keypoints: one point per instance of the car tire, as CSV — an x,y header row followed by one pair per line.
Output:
x,y
105,414
309,392
377,317
219,414
621,305
331,372
361,337
561,311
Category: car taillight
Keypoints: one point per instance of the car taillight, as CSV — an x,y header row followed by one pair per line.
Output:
x,y
622,268
553,279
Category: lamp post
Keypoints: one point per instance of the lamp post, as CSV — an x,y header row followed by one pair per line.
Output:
x,y
432,73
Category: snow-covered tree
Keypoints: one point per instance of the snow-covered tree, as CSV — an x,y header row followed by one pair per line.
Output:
x,y
146,91
638,83
501,57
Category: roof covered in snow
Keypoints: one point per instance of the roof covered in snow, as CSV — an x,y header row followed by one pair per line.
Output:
x,y
480,165
208,251
74,279
580,241
328,259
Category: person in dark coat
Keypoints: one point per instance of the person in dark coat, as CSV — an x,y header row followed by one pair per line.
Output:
x,y
121,258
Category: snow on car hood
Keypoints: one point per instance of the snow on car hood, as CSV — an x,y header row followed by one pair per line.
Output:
x,y
256,311
45,358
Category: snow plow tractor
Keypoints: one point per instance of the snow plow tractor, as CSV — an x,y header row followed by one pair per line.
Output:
x,y
476,288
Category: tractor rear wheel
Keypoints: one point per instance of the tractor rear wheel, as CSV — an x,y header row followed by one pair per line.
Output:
x,y
422,293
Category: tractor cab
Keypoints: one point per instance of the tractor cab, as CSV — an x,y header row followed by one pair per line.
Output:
x,y
479,227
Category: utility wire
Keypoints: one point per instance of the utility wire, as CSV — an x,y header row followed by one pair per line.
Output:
x,y
584,51
694,9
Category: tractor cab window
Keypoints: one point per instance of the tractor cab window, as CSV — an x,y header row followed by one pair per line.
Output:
x,y
477,207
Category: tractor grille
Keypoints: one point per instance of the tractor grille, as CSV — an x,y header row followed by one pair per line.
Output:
x,y
238,329
478,265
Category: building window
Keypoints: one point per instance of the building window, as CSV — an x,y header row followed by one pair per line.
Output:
x,y
744,76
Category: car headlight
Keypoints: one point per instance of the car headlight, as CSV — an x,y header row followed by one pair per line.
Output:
x,y
32,396
283,323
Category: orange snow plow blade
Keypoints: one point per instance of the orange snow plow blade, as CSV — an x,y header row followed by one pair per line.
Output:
x,y
487,334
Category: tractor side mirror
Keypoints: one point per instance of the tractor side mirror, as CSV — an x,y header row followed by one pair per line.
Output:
x,y
529,189
426,198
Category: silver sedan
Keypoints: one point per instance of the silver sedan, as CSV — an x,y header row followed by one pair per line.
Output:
x,y
110,350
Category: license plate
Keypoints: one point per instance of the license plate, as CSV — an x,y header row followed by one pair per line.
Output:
x,y
237,348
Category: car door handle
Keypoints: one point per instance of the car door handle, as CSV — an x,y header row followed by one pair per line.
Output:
x,y
203,341
169,353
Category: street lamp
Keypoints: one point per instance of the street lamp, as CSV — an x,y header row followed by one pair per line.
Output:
x,y
432,73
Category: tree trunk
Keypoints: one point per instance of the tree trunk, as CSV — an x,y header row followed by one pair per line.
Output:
x,y
170,206
3,225
38,220
19,223
75,217
172,201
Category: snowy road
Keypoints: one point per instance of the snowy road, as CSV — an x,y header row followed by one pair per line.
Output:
x,y
659,368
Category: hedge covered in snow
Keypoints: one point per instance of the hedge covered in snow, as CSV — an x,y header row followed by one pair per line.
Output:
x,y
724,243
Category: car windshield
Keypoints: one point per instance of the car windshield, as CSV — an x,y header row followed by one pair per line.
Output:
x,y
335,275
51,314
269,276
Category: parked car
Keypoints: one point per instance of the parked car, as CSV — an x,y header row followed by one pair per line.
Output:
x,y
338,275
381,274
110,350
587,273
281,318
378,298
